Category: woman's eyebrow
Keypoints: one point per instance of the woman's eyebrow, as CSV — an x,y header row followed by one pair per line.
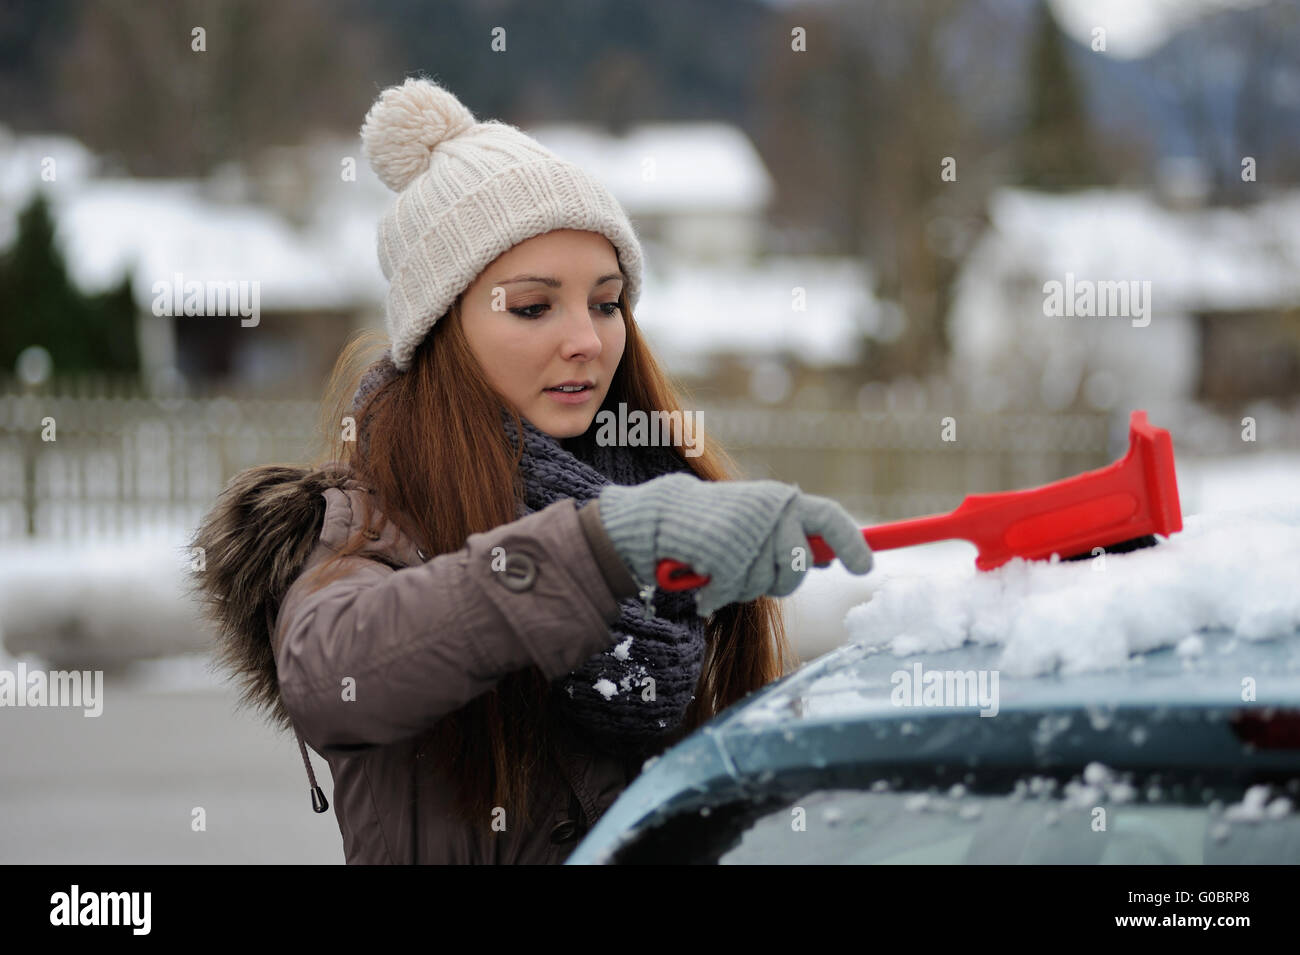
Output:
x,y
555,283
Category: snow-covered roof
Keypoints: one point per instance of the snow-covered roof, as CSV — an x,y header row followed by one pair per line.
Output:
x,y
1210,258
1195,260
158,228
661,168
164,227
24,160
689,311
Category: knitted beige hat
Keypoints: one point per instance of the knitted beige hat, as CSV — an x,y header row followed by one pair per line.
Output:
x,y
467,192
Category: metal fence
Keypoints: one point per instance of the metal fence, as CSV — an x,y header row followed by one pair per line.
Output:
x,y
896,464
126,464
94,458
123,463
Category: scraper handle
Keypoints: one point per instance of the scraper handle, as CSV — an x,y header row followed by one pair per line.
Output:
x,y
674,575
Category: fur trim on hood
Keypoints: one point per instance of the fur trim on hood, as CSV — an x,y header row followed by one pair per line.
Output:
x,y
256,540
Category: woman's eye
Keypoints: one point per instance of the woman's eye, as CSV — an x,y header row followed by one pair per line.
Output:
x,y
525,311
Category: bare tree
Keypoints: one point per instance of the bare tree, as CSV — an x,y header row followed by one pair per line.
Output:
x,y
860,127
135,85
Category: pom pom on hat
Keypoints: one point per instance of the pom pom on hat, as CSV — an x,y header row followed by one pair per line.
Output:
x,y
406,124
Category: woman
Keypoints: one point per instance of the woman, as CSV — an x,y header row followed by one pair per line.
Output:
x,y
457,612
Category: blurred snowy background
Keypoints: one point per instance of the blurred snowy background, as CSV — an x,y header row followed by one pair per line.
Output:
x,y
844,249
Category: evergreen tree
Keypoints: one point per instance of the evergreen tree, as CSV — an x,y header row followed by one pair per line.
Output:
x,y
39,305
1056,148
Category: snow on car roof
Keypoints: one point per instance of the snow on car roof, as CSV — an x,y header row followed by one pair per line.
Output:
x,y
1232,570
1185,621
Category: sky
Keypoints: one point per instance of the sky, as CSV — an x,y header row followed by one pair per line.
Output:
x,y
1135,28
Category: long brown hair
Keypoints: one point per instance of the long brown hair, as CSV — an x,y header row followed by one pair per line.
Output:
x,y
442,467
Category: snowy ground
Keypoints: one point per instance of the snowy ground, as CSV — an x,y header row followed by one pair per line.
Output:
x,y
96,603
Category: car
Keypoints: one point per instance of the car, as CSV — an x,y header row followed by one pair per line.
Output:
x,y
1187,754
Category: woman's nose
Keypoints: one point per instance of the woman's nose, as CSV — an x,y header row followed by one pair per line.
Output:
x,y
580,334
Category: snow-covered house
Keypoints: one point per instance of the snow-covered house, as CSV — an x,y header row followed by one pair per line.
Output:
x,y
730,319
300,223
699,189
302,288
1208,302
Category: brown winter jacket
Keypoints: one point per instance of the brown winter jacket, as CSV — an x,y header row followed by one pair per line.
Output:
x,y
419,639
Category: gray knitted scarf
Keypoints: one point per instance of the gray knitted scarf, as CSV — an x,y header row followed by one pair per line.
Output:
x,y
608,698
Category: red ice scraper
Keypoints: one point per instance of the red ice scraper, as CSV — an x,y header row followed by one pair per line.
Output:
x,y
1117,508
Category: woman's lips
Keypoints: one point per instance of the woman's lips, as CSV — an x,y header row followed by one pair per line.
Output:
x,y
571,397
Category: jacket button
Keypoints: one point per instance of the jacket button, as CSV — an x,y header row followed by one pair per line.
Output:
x,y
519,573
563,832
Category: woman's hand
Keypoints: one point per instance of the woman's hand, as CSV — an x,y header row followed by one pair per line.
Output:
x,y
745,536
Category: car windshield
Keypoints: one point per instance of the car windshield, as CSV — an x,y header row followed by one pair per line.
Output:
x,y
1034,822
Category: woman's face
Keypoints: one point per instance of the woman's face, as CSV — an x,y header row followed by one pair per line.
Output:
x,y
543,314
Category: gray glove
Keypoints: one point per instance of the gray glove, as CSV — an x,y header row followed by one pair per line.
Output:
x,y
742,535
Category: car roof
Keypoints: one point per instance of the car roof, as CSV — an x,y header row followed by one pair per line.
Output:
x,y
1167,707
857,682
